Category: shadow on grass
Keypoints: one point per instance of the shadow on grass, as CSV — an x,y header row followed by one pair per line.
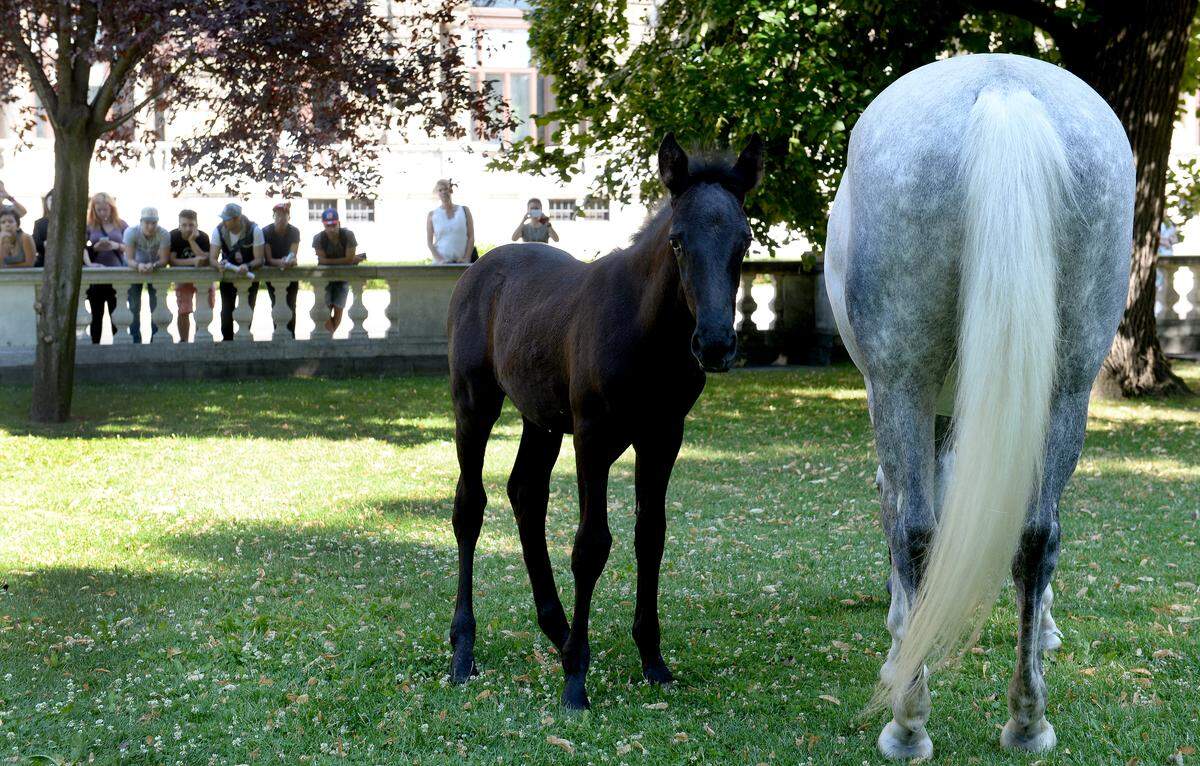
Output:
x,y
400,411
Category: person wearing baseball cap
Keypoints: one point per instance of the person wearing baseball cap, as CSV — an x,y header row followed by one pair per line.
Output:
x,y
335,246
282,244
147,247
237,243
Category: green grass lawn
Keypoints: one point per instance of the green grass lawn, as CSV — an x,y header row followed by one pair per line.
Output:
x,y
263,572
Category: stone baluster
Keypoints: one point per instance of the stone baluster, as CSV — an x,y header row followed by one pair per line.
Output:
x,y
243,315
772,302
746,304
358,310
160,317
1192,296
393,310
281,314
1170,296
122,317
203,315
320,312
83,317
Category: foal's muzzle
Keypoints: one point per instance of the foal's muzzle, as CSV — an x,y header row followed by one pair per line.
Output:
x,y
714,351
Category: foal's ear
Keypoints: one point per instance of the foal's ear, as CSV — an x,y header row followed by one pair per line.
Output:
x,y
672,165
749,165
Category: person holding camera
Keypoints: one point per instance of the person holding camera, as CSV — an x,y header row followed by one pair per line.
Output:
x,y
535,226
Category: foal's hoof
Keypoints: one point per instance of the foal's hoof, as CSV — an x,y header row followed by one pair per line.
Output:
x,y
895,741
574,696
462,666
1037,738
657,673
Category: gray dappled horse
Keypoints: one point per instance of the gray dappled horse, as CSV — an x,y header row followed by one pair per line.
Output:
x,y
977,262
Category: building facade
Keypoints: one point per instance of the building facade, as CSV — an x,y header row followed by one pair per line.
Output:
x,y
390,226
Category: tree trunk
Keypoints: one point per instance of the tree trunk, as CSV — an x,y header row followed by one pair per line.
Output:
x,y
1134,56
54,368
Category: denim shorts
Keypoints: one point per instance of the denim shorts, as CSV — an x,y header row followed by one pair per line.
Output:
x,y
335,294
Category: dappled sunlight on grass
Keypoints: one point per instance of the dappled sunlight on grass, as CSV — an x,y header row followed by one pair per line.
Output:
x,y
268,568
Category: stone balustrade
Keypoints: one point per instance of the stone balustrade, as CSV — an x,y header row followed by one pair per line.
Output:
x,y
395,320
783,313
1177,305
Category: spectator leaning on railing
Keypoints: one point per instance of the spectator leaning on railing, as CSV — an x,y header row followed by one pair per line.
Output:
x,y
189,248
336,246
105,240
282,245
237,243
9,202
147,248
41,230
16,247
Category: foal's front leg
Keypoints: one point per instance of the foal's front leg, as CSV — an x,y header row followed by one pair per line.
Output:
x,y
594,455
655,458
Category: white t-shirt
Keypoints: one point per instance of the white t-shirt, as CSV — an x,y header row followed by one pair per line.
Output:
x,y
450,235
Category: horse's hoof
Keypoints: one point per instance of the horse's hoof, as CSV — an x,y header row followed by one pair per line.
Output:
x,y
657,674
895,741
462,667
1037,738
1051,641
574,696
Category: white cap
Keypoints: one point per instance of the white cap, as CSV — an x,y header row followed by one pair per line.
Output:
x,y
150,214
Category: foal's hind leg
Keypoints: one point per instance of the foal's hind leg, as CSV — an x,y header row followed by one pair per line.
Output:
x,y
904,434
655,458
1033,566
528,491
477,401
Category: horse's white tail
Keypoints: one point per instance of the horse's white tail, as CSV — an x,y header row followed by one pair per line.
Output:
x,y
1017,185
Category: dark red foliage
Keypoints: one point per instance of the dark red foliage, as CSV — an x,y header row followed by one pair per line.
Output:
x,y
281,87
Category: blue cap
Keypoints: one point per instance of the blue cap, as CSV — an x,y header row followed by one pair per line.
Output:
x,y
231,211
330,215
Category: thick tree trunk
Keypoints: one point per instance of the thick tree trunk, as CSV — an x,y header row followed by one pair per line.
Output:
x,y
54,369
1134,57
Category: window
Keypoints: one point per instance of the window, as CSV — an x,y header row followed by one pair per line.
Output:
x,y
595,208
562,210
360,210
318,206
497,51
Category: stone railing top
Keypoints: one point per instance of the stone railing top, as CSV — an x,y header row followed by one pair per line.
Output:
x,y
128,276
1179,260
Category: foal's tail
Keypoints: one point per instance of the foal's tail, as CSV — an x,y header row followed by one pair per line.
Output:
x,y
1017,185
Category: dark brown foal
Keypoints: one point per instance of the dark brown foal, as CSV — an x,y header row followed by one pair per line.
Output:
x,y
614,353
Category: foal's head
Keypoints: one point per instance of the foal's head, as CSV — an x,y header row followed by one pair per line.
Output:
x,y
710,236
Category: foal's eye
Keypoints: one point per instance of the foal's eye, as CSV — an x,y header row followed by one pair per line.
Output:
x,y
676,246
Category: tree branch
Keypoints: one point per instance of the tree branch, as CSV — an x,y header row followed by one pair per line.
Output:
x,y
1041,15
37,75
124,117
115,80
85,40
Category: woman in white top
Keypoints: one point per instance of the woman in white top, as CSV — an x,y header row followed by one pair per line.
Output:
x,y
449,230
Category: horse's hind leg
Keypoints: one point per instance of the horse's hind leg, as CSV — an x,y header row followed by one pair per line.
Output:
x,y
903,416
477,402
1033,566
529,491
